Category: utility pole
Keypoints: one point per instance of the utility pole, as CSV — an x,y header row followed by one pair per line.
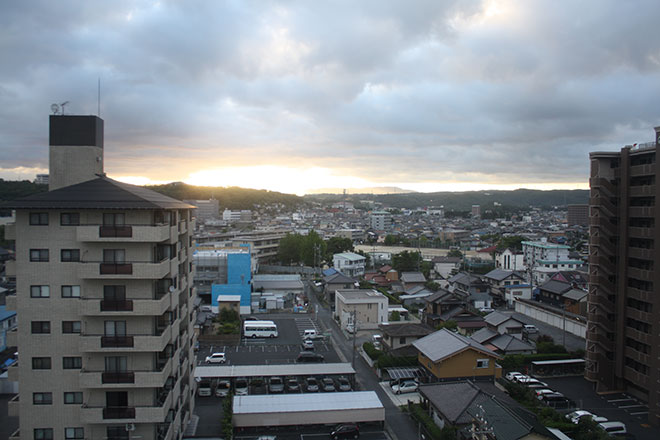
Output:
x,y
354,334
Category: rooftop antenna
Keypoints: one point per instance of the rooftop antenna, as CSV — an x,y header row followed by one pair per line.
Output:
x,y
62,106
55,109
98,112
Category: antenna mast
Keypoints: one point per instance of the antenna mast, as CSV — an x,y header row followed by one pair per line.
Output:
x,y
98,112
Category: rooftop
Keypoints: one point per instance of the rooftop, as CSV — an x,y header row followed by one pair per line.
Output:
x,y
444,343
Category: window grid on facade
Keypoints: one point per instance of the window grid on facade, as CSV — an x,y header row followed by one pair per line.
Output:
x,y
69,219
40,327
42,398
39,291
68,255
73,397
74,433
39,255
72,362
43,434
71,326
39,218
70,291
41,363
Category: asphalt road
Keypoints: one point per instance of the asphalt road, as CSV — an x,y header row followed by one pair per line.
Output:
x,y
569,340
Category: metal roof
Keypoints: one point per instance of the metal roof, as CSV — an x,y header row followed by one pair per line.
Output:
x,y
444,343
306,402
212,371
100,193
397,373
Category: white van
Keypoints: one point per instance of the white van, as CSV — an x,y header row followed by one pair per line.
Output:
x,y
613,428
376,340
310,334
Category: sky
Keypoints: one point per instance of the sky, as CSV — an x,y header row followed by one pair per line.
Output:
x,y
293,96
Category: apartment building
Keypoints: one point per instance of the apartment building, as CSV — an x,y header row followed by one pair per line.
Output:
x,y
365,307
623,311
104,300
381,221
349,263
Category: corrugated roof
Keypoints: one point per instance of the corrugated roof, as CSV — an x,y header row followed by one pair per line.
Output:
x,y
100,193
226,371
306,402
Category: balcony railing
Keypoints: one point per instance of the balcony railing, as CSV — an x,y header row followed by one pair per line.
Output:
x,y
111,305
119,412
118,377
115,231
116,341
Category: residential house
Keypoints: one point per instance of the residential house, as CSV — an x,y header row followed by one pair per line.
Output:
x,y
575,301
510,259
335,282
444,267
440,302
450,356
349,263
502,344
415,296
498,278
552,292
575,278
504,324
362,308
398,337
515,292
412,279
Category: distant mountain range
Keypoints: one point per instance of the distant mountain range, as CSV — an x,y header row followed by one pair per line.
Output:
x,y
520,198
369,190
242,198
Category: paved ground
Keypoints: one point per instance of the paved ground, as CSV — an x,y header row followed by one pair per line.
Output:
x,y
616,407
570,341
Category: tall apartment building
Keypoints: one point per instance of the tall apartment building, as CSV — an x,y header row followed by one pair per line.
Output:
x,y
577,215
104,299
381,220
623,332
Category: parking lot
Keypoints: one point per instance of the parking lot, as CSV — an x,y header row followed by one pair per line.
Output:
x,y
364,435
614,406
281,350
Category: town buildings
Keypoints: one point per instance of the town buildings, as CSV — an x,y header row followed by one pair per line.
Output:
x,y
104,301
360,308
349,263
623,342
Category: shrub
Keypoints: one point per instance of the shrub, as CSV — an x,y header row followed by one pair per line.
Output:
x,y
371,351
386,361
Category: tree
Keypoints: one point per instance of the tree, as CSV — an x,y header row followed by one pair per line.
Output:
x,y
391,240
514,243
395,316
290,249
313,249
455,253
407,261
336,245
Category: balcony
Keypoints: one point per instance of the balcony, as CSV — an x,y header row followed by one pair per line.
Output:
x,y
183,227
642,170
645,254
641,211
119,412
145,343
641,232
129,414
13,406
640,274
141,307
141,379
10,268
116,305
133,270
12,372
132,233
642,191
118,377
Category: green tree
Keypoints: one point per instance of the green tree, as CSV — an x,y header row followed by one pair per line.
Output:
x,y
455,253
336,245
395,316
290,250
514,243
313,249
407,261
391,240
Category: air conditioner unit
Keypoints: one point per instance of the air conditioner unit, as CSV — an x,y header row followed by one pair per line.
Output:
x,y
130,427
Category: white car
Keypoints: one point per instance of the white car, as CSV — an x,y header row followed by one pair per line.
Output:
x,y
541,392
575,416
216,358
512,375
407,386
529,328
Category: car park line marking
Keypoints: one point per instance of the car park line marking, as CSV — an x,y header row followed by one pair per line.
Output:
x,y
621,400
632,406
639,413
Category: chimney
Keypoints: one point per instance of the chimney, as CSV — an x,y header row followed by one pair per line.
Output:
x,y
76,150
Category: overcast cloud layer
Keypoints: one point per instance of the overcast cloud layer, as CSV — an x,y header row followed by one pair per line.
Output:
x,y
413,94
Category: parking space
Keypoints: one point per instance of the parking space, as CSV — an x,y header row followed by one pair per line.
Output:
x,y
629,404
280,435
399,399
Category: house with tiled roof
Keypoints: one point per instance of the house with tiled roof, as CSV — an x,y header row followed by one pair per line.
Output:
x,y
504,324
412,279
448,355
398,337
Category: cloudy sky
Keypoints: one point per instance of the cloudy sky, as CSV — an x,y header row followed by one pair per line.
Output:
x,y
295,95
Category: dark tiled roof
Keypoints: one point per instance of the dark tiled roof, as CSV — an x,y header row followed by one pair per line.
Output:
x,y
413,277
100,193
338,278
501,274
557,287
452,399
497,318
399,330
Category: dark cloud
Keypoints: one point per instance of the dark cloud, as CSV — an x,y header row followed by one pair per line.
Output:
x,y
491,91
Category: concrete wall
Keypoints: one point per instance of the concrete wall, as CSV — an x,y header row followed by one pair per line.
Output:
x,y
577,328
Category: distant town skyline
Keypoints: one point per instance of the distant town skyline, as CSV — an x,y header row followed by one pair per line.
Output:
x,y
296,96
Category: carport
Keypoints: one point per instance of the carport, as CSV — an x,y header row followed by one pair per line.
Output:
x,y
307,409
397,374
299,370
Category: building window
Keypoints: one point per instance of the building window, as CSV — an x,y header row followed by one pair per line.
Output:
x,y
42,398
69,255
115,219
39,291
114,256
43,434
40,327
116,364
70,219
41,363
115,328
114,293
39,255
482,363
73,398
70,291
39,218
74,433
72,362
402,340
70,326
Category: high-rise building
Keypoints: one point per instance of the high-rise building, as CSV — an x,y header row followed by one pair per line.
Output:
x,y
623,330
476,211
104,299
381,220
577,215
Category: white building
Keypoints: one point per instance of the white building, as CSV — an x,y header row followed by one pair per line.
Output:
x,y
362,308
349,263
510,260
533,251
244,215
381,220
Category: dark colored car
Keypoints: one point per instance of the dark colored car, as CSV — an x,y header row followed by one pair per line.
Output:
x,y
348,430
292,385
309,356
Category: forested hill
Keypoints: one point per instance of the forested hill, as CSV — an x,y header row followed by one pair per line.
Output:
x,y
232,197
519,198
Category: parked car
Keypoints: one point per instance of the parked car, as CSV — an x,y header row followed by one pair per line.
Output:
x,y
528,381
486,310
575,416
613,428
241,386
350,328
308,345
216,358
292,385
222,388
529,328
540,392
328,384
343,384
512,375
407,386
275,385
348,430
204,388
377,341
311,385
308,356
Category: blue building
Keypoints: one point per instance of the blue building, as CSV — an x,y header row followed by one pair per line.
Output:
x,y
7,323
